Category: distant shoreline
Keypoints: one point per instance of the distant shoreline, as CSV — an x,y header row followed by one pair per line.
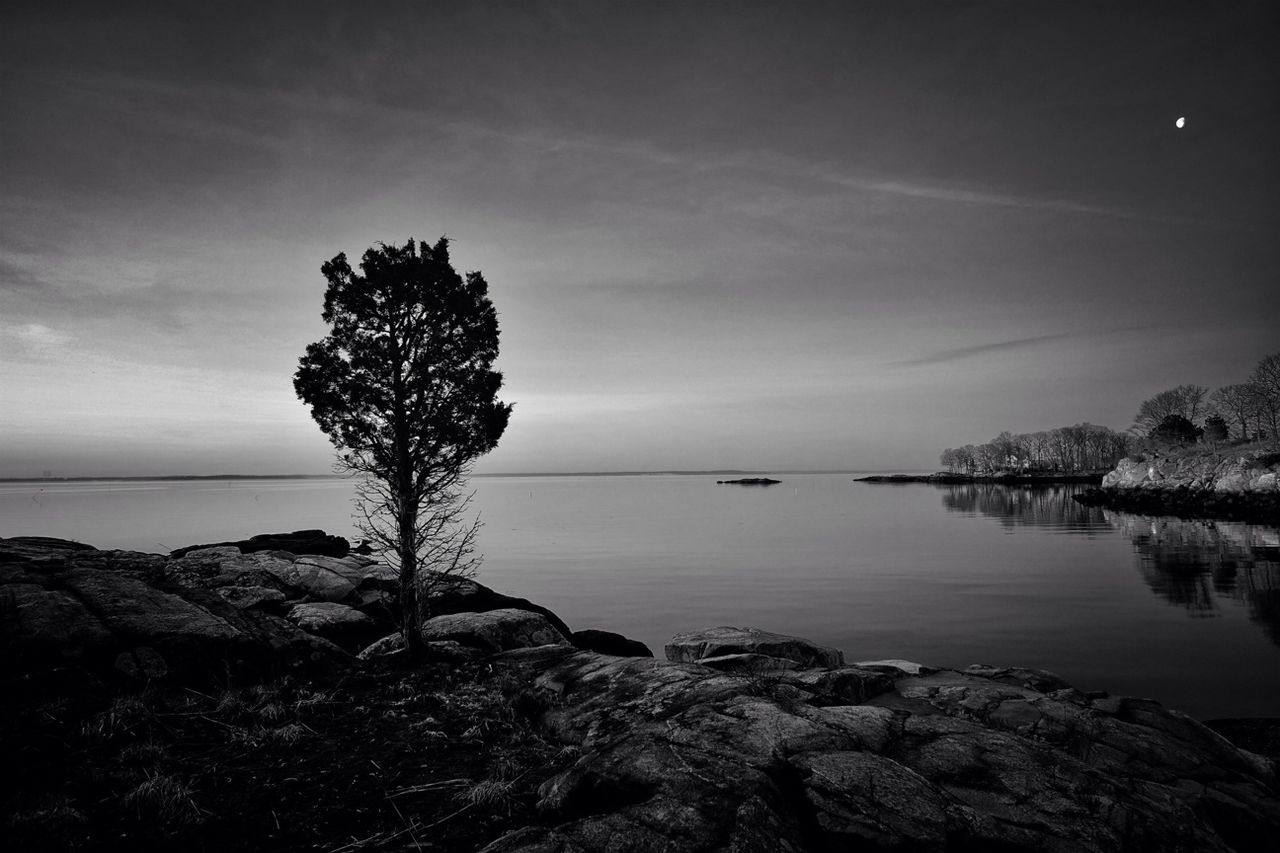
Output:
x,y
942,477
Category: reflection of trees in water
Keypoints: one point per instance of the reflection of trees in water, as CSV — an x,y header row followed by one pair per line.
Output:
x,y
1193,563
1013,506
1188,563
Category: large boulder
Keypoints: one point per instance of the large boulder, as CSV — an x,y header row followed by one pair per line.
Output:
x,y
449,594
678,757
494,630
693,646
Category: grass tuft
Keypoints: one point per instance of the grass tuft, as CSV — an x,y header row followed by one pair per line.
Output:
x,y
165,797
127,715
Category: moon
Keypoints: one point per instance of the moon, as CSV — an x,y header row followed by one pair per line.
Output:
x,y
1181,122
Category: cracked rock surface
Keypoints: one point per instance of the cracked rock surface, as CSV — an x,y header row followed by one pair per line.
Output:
x,y
682,757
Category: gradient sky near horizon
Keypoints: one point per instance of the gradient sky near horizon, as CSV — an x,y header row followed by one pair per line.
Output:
x,y
752,235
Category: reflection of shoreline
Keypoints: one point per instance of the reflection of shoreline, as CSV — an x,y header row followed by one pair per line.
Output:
x,y
1189,563
1051,507
1194,563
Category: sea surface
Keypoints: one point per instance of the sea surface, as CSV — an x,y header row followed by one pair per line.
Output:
x,y
1181,611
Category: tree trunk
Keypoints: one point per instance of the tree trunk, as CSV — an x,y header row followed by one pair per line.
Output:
x,y
410,623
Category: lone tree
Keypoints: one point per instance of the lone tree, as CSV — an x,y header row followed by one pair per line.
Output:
x,y
403,386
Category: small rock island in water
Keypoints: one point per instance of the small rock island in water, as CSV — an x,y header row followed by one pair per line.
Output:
x,y
227,697
749,481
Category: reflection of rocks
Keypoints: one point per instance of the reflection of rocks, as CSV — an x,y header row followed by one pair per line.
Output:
x,y
1012,506
1193,563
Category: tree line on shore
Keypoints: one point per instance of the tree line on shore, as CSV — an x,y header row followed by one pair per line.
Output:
x,y
1247,411
1067,450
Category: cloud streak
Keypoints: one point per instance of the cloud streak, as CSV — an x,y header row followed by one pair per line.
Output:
x,y
959,353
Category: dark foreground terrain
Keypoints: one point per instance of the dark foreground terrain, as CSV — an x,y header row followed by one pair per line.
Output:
x,y
212,701
434,757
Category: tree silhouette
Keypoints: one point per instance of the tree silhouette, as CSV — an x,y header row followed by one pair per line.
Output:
x,y
1175,429
1184,400
1266,380
404,388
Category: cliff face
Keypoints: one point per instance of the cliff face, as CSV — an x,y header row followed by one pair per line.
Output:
x,y
1224,472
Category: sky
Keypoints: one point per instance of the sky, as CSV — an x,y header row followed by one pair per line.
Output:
x,y
750,235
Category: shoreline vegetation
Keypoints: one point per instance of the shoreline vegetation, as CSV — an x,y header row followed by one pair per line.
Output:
x,y
1042,478
231,699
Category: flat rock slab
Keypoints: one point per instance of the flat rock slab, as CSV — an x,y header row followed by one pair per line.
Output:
x,y
321,616
494,630
693,646
906,667
677,757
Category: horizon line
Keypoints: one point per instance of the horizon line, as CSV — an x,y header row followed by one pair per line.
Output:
x,y
681,472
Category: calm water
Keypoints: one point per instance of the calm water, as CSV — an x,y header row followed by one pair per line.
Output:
x,y
1185,612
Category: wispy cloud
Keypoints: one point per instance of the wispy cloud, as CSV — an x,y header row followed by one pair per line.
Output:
x,y
943,356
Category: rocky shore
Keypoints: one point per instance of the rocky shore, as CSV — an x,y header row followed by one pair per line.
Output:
x,y
235,699
1230,483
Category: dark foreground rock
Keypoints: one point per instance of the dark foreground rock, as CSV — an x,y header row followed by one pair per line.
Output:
x,y
679,757
609,643
70,610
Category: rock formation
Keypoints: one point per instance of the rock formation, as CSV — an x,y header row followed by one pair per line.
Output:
x,y
66,608
680,757
1196,482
